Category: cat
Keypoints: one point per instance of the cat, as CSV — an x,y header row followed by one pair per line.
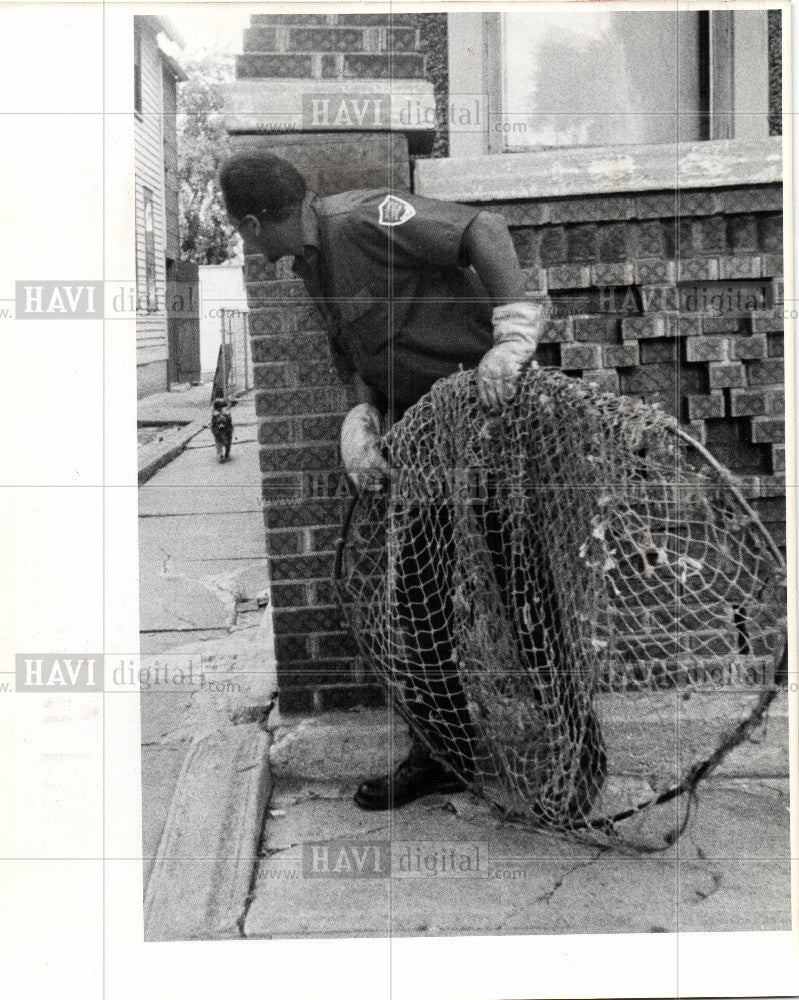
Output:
x,y
222,427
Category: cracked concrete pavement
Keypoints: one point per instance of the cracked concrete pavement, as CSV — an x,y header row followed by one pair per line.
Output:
x,y
203,583
730,871
204,577
202,561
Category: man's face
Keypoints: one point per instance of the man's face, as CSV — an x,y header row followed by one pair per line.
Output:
x,y
273,239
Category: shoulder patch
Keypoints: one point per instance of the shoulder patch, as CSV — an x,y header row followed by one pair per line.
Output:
x,y
394,211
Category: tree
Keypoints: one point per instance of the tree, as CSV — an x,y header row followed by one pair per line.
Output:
x,y
206,237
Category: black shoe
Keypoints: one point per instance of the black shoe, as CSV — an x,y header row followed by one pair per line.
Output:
x,y
415,777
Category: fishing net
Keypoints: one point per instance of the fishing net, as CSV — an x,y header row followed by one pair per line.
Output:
x,y
571,603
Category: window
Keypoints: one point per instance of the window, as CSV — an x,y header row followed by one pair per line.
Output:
x,y
594,76
599,77
137,103
150,288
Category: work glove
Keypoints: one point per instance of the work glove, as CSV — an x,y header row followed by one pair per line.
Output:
x,y
517,327
360,450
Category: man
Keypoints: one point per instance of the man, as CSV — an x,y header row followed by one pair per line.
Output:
x,y
412,289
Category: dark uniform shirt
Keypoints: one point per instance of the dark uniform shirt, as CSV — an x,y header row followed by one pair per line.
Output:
x,y
402,306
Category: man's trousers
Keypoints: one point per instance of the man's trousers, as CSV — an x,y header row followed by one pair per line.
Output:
x,y
428,681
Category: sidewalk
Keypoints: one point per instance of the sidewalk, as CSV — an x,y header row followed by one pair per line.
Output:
x,y
204,586
215,755
183,402
201,536
729,872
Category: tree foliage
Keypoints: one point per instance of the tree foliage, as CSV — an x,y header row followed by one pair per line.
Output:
x,y
206,237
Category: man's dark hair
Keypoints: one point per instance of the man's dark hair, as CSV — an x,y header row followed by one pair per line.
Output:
x,y
264,184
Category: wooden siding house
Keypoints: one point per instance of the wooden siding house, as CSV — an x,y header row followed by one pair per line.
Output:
x,y
156,75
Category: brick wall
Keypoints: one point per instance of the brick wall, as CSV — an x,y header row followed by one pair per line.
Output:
x,y
775,72
332,46
300,404
351,46
610,264
299,400
433,44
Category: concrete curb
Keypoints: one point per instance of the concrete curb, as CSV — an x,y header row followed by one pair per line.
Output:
x,y
348,746
204,869
153,457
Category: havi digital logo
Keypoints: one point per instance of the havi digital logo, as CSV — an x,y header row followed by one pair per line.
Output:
x,y
50,672
59,300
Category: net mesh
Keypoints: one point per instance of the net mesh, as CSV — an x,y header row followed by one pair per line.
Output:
x,y
571,603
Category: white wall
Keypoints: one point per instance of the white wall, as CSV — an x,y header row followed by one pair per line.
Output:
x,y
221,287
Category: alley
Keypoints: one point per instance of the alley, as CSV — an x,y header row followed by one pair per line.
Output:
x,y
207,663
202,561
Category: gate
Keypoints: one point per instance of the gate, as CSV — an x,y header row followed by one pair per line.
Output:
x,y
183,321
233,365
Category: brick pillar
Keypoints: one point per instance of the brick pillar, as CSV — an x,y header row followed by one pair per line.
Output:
x,y
288,63
300,404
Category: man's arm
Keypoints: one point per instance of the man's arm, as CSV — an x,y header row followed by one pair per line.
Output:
x,y
488,247
517,317
360,434
365,393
